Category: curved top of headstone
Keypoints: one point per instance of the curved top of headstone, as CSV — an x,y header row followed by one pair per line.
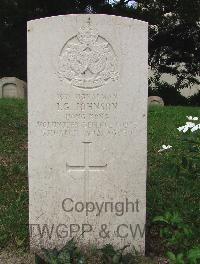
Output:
x,y
13,80
155,100
101,16
10,79
86,57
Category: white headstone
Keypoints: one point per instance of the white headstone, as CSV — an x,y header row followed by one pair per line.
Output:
x,y
88,79
155,100
12,87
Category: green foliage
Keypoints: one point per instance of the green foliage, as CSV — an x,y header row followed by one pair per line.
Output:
x,y
193,255
176,235
173,179
190,257
174,37
175,259
173,229
112,256
69,254
189,162
39,260
195,99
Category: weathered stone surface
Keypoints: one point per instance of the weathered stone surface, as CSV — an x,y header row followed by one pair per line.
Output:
x,y
12,87
155,100
88,80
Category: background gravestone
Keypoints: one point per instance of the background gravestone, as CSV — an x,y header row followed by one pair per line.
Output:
x,y
88,79
11,87
155,100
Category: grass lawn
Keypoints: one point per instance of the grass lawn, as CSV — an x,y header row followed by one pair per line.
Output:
x,y
13,173
165,191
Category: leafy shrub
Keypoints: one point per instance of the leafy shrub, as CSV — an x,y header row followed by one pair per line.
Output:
x,y
194,100
176,234
71,254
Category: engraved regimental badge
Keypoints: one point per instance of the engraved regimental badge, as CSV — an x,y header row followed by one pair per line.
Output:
x,y
87,60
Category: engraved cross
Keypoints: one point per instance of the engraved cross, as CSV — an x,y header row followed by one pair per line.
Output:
x,y
86,168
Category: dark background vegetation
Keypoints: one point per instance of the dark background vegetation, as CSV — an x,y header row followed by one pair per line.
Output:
x,y
174,32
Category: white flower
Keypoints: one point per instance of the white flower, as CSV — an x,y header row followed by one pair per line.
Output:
x,y
164,147
154,27
168,14
195,128
192,118
186,127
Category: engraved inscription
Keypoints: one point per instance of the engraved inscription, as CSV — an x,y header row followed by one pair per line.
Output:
x,y
87,60
86,128
86,114
82,102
